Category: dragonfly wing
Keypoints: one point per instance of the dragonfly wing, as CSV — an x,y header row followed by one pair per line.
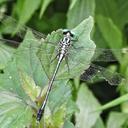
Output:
x,y
101,72
101,54
27,47
9,25
109,55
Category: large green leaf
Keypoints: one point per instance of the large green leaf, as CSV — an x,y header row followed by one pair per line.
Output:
x,y
79,10
25,59
21,77
68,125
117,120
1,1
99,123
56,111
99,39
110,32
108,9
122,6
14,112
77,62
6,53
27,8
29,86
114,10
87,103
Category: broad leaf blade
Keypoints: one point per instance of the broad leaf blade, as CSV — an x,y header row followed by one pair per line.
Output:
x,y
77,62
110,33
25,59
68,124
6,53
27,11
1,1
79,10
120,120
99,123
29,86
87,103
13,111
22,84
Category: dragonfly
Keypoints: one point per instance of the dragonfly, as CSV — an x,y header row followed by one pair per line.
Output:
x,y
63,51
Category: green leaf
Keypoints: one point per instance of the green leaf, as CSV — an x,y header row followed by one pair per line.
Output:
x,y
120,120
99,123
110,32
113,9
77,62
6,53
68,124
14,112
27,11
24,59
122,6
45,4
87,103
57,109
99,39
20,76
79,10
108,9
60,95
1,1
29,86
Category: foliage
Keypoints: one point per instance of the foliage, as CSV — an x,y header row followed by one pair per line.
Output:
x,y
26,69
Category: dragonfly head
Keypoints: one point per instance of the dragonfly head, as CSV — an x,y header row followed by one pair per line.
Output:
x,y
70,33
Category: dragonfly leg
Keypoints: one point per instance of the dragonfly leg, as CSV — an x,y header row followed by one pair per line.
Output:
x,y
76,48
54,58
66,60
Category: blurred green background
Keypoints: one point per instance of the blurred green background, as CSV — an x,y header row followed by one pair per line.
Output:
x,y
110,31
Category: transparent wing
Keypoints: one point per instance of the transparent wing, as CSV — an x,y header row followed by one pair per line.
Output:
x,y
109,55
113,78
93,70
100,54
104,55
8,25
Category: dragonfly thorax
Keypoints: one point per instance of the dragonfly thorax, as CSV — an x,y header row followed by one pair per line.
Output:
x,y
64,44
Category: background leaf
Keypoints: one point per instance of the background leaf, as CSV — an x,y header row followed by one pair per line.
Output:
x,y
87,103
120,118
110,32
26,11
13,111
48,52
1,1
45,4
78,11
99,124
68,125
6,53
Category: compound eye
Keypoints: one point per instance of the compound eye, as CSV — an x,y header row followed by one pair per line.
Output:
x,y
72,35
65,31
